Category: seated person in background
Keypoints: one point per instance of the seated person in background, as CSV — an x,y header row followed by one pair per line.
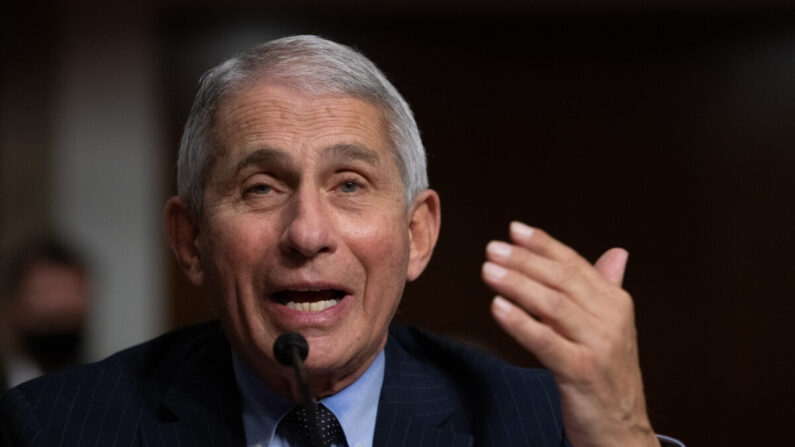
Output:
x,y
304,206
44,306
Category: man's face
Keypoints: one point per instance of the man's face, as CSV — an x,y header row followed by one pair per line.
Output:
x,y
47,313
51,297
304,228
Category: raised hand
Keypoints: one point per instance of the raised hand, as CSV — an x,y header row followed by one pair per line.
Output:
x,y
579,322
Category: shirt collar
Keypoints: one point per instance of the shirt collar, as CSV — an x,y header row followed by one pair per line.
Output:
x,y
356,406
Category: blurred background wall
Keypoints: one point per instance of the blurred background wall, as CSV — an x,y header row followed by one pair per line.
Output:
x,y
664,128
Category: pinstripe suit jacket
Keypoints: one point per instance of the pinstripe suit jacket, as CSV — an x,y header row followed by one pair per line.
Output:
x,y
179,390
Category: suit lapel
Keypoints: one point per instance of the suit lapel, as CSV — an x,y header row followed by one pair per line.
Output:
x,y
201,406
417,406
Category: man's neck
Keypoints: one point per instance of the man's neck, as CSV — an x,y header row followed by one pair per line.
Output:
x,y
355,406
322,383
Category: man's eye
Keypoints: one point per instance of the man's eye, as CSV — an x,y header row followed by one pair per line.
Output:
x,y
260,189
349,187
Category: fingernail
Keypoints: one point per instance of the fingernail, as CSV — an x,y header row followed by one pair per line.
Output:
x,y
499,249
493,270
521,230
501,306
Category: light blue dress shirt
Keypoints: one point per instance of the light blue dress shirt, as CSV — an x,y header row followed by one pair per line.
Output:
x,y
355,406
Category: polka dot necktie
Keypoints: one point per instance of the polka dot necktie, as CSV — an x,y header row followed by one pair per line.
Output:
x,y
330,430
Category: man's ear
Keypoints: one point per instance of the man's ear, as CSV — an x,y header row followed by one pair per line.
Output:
x,y
182,229
425,220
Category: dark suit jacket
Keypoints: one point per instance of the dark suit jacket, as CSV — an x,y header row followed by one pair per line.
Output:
x,y
179,390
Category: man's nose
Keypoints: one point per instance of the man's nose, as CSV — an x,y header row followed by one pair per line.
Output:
x,y
307,231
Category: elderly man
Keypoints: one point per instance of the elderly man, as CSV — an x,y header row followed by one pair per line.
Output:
x,y
304,206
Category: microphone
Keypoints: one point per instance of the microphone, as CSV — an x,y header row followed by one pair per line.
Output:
x,y
291,349
289,344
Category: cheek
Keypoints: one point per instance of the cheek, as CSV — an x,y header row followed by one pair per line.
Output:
x,y
383,251
230,251
233,253
384,243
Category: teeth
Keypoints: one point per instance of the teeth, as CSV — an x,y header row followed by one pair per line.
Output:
x,y
316,306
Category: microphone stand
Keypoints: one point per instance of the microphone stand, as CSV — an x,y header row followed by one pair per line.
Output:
x,y
291,349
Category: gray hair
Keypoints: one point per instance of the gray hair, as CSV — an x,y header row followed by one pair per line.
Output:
x,y
311,65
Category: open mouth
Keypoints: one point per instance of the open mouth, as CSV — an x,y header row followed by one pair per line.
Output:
x,y
310,300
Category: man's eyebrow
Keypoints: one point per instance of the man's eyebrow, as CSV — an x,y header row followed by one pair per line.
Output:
x,y
264,156
352,152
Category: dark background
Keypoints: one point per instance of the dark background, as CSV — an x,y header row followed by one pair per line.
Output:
x,y
665,129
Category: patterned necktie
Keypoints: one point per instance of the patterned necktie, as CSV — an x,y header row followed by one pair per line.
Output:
x,y
297,420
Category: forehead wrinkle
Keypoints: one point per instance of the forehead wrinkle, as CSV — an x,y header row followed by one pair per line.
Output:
x,y
264,156
349,152
246,108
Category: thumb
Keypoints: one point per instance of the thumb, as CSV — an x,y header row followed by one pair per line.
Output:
x,y
612,265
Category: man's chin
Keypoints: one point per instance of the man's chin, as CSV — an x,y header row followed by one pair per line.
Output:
x,y
325,355
327,377
332,356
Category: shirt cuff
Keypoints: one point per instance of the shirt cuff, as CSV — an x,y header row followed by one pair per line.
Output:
x,y
666,441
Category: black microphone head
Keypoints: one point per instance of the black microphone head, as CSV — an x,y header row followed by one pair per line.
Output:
x,y
284,345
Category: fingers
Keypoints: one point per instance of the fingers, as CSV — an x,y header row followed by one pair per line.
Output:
x,y
542,243
550,348
552,283
612,265
550,272
549,305
574,279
